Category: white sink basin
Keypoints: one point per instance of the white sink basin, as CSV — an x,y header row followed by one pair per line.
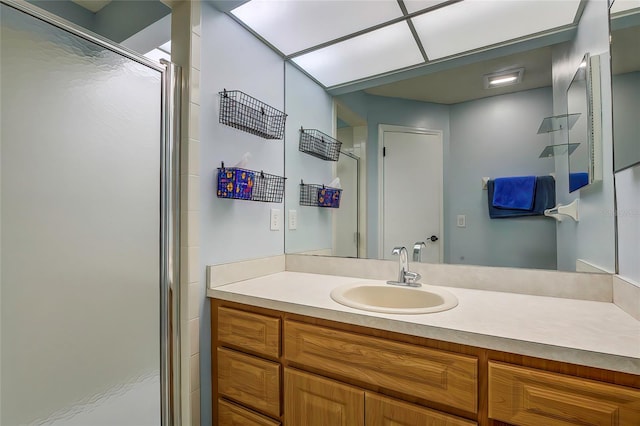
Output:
x,y
377,296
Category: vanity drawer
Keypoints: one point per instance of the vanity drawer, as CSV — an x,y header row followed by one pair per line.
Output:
x,y
234,415
526,397
253,332
430,374
250,381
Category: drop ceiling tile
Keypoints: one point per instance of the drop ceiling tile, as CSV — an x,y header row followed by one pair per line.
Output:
x,y
387,49
295,25
472,24
624,5
416,5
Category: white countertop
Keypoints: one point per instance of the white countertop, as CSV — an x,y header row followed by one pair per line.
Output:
x,y
595,334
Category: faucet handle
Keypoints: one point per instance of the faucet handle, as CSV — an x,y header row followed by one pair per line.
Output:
x,y
412,277
417,251
398,250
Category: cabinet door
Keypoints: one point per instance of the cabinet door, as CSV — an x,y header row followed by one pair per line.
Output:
x,y
527,397
315,401
382,411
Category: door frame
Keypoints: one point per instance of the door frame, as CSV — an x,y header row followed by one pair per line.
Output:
x,y
335,211
405,129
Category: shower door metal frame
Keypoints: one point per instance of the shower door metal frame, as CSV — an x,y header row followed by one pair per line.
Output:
x,y
169,175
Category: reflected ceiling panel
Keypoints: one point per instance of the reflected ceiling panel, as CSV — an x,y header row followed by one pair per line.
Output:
x,y
387,49
416,5
472,24
295,25
622,5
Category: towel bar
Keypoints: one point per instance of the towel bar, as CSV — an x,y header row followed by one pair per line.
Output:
x,y
559,211
486,179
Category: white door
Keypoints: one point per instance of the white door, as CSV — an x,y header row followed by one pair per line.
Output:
x,y
412,191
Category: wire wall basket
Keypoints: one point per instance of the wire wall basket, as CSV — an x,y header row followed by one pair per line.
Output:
x,y
250,185
318,144
239,110
319,195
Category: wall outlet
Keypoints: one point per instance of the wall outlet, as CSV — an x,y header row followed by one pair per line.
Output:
x,y
275,219
461,221
293,219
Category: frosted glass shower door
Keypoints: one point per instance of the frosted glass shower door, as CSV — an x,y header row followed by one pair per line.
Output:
x,y
80,164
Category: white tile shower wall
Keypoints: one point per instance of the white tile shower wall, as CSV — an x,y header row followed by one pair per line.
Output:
x,y
186,53
232,230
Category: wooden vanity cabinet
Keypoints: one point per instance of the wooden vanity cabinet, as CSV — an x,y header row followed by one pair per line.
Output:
x,y
273,368
249,380
529,397
235,415
247,373
384,411
442,377
313,400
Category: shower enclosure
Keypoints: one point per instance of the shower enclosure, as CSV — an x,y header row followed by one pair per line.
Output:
x,y
88,228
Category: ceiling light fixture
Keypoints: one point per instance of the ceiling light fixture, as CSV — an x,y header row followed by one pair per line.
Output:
x,y
503,78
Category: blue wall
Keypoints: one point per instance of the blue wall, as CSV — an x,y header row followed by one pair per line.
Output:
x,y
494,136
233,230
309,106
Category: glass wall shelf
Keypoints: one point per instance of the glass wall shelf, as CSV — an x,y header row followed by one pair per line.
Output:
x,y
553,150
558,122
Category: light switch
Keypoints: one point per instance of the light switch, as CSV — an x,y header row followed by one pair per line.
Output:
x,y
275,219
293,219
461,221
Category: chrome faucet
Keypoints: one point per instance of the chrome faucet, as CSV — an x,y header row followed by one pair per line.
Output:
x,y
405,277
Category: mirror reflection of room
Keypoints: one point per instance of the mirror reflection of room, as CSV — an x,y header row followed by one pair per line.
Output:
x,y
485,87
489,104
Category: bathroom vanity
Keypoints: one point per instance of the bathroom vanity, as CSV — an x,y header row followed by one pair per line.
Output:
x,y
283,352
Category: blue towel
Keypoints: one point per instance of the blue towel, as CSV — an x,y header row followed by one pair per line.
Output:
x,y
515,193
545,198
578,180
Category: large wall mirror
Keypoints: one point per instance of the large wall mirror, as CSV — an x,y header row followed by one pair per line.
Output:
x,y
625,69
453,125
